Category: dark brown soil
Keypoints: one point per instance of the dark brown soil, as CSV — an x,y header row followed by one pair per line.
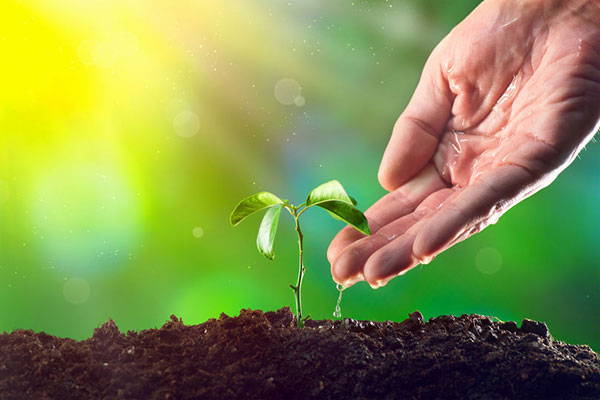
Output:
x,y
263,356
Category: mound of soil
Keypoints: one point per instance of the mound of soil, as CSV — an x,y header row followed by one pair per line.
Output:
x,y
264,356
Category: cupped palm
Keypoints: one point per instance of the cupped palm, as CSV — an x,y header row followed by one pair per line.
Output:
x,y
505,103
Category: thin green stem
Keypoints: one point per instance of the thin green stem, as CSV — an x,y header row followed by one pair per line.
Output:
x,y
301,269
303,210
291,209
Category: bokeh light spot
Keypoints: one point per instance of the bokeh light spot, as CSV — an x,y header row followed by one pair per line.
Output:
x,y
186,124
287,90
198,232
488,260
299,101
76,291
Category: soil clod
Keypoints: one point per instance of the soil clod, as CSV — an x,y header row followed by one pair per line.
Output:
x,y
539,328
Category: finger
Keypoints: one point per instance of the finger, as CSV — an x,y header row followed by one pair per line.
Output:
x,y
390,207
416,133
349,265
395,257
475,207
462,213
390,261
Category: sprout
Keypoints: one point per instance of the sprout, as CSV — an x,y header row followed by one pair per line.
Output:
x,y
330,196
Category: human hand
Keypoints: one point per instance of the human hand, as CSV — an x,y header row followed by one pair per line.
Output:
x,y
505,103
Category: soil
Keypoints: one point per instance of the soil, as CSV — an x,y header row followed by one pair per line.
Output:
x,y
264,356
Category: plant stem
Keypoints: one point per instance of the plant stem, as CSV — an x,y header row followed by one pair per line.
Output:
x,y
301,270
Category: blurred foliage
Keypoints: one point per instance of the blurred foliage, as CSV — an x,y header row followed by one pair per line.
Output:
x,y
130,129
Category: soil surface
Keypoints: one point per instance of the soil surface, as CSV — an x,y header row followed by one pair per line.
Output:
x,y
264,356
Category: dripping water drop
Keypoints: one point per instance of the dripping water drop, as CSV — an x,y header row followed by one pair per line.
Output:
x,y
337,313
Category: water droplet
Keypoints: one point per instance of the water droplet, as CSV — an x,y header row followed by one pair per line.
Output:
x,y
426,260
512,21
337,313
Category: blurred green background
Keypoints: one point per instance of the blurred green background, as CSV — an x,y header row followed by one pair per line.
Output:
x,y
129,130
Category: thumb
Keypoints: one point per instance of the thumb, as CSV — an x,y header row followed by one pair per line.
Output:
x,y
416,133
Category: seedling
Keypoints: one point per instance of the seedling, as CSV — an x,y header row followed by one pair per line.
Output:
x,y
331,196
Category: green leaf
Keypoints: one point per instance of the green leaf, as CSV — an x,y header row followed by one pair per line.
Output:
x,y
267,232
347,213
332,197
332,190
354,202
253,204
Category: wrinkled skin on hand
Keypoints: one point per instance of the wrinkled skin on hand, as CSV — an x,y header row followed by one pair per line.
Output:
x,y
504,104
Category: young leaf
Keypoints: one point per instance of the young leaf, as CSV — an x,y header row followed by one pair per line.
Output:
x,y
348,214
332,190
332,197
253,204
267,232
